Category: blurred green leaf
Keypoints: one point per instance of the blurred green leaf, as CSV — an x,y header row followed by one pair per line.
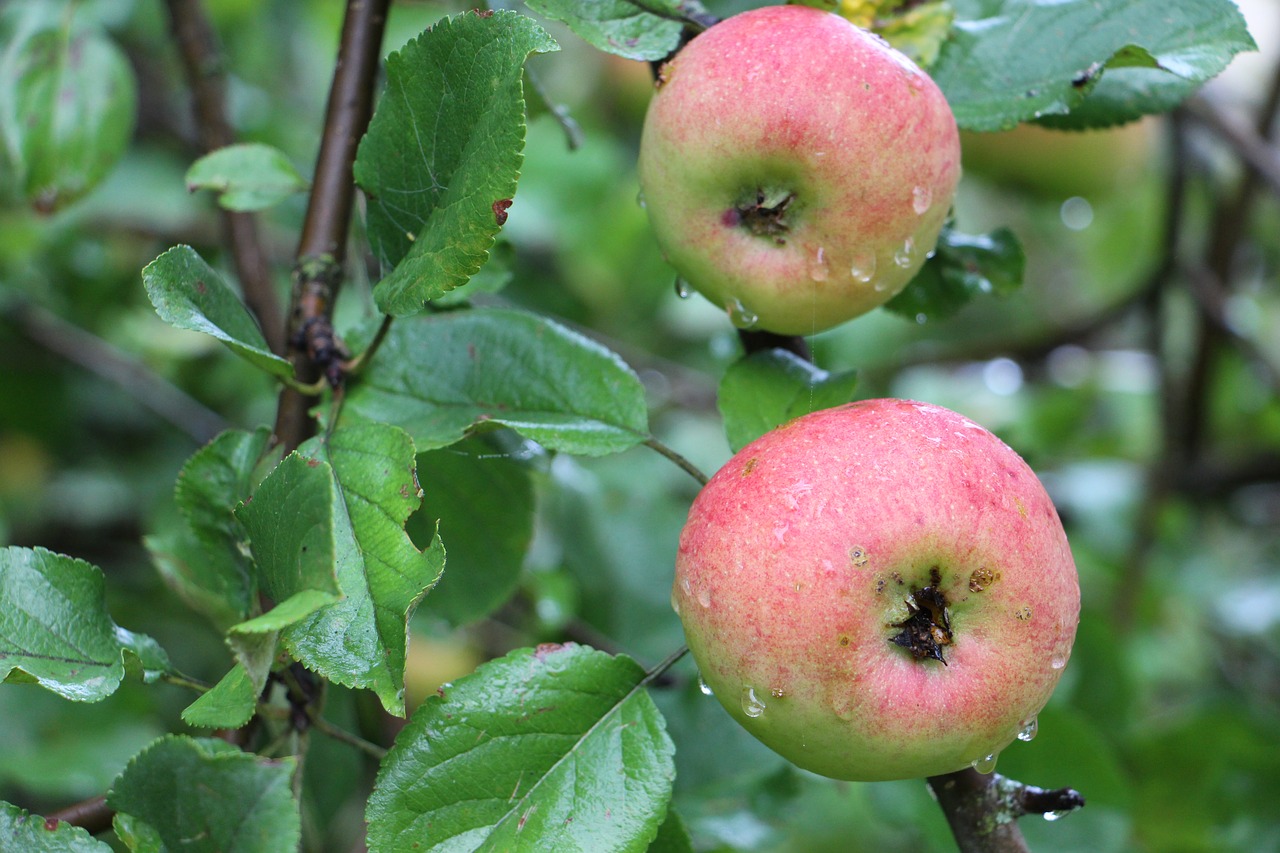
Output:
x,y
207,796
204,560
67,105
561,746
1010,61
360,640
441,376
766,389
619,26
483,500
495,275
229,705
22,831
965,266
249,176
440,160
55,629
189,294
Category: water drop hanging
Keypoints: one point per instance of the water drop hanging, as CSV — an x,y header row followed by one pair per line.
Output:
x,y
740,315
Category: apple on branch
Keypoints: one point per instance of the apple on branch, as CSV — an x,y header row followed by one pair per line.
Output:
x,y
878,591
796,169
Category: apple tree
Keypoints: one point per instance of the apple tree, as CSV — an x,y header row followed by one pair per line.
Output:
x,y
365,367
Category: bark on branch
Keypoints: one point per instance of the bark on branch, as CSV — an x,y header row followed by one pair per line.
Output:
x,y
312,345
982,809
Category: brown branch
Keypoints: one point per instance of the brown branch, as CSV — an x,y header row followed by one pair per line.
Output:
x,y
982,810
91,815
202,61
312,345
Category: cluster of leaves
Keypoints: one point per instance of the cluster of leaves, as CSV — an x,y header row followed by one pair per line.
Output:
x,y
321,557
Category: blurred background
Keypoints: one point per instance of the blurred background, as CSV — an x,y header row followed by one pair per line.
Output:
x,y
1137,371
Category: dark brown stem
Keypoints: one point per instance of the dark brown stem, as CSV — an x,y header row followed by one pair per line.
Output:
x,y
91,815
982,810
202,61
312,344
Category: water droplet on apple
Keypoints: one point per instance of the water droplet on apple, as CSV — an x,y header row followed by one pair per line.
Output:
x,y
675,602
703,686
904,256
640,199
986,764
844,706
752,705
820,269
683,289
864,266
921,198
1058,662
740,315
858,555
704,597
1028,731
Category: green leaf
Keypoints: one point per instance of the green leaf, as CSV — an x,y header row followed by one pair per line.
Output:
x,y
55,629
673,836
229,705
483,500
495,275
290,522
68,101
554,748
440,160
204,561
250,176
22,831
292,537
618,26
766,389
207,796
965,265
1010,61
440,376
138,835
360,641
187,293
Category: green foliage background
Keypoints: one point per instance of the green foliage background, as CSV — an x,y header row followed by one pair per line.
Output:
x,y
1168,718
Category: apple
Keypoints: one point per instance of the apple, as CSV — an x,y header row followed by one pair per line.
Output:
x,y
878,591
795,168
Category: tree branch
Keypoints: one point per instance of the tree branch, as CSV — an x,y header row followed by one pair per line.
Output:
x,y
311,342
202,61
982,809
92,815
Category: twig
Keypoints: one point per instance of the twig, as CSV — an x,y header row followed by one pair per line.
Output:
x,y
312,346
131,376
685,465
92,815
982,810
202,61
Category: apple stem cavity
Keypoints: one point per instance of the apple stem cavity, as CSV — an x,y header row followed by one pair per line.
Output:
x,y
927,627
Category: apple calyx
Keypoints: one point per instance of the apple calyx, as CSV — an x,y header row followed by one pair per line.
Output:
x,y
927,627
764,215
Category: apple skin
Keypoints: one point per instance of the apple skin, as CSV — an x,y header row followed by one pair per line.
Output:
x,y
791,102
798,559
